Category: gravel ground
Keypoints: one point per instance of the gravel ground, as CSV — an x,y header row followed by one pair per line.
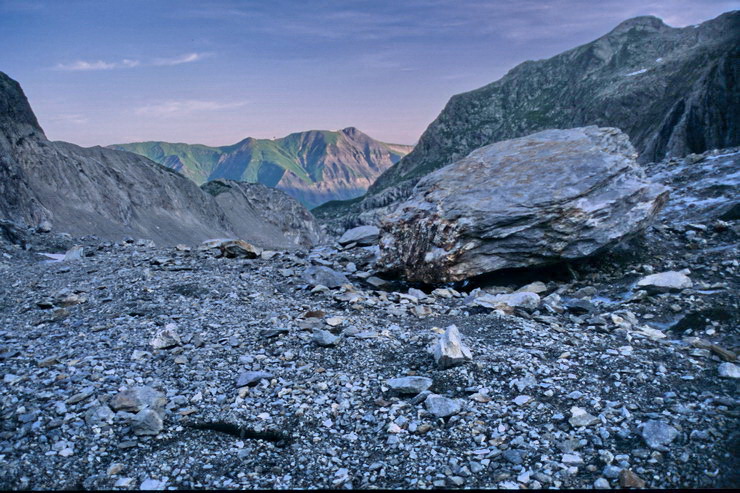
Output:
x,y
602,384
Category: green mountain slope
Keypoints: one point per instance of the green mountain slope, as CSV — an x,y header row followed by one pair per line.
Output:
x,y
314,166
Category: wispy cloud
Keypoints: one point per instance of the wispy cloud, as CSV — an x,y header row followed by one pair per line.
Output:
x,y
179,60
185,107
83,65
74,118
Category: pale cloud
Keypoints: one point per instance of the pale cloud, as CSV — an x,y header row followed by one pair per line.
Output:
x,y
178,60
86,66
185,107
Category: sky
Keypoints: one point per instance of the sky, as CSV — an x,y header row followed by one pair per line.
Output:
x,y
100,72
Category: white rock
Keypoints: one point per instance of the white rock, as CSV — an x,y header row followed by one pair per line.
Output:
x,y
665,282
449,350
729,370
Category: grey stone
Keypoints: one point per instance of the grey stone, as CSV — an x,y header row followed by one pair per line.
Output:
x,y
728,370
580,417
321,275
664,282
362,235
73,254
252,378
442,407
525,299
166,338
135,399
602,484
449,350
324,338
657,434
147,422
409,385
515,456
551,196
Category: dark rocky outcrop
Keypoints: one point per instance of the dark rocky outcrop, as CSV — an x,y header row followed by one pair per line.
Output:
x,y
673,91
552,196
113,193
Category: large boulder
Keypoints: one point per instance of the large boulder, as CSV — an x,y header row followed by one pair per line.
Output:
x,y
551,196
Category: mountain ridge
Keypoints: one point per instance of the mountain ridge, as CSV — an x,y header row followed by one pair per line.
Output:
x,y
313,166
672,90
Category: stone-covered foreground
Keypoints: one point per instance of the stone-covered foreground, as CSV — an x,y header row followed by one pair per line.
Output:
x,y
582,390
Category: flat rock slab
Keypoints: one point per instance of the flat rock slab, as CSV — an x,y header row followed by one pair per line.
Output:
x,y
665,282
409,385
551,196
362,235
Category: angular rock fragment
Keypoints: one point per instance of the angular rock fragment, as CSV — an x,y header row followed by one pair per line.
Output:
x,y
657,434
166,338
580,417
320,275
449,350
507,302
324,338
362,235
252,378
74,253
442,407
729,370
147,422
551,196
665,282
239,249
135,399
409,385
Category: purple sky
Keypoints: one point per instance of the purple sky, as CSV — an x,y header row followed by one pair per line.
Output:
x,y
99,72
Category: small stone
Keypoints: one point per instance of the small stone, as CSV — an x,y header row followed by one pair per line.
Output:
x,y
114,469
657,434
135,399
450,351
320,275
73,254
324,338
572,459
729,370
239,249
376,281
611,472
522,399
361,235
274,332
250,378
536,287
664,282
628,479
152,484
581,417
409,385
147,422
334,321
514,456
601,484
507,302
442,407
166,338
123,482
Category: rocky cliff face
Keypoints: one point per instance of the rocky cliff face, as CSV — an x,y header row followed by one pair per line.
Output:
x,y
672,91
314,166
106,192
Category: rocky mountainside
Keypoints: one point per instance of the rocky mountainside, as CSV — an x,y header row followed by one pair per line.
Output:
x,y
313,167
109,193
673,91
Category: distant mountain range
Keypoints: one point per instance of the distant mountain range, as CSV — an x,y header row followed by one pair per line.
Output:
x,y
674,91
313,167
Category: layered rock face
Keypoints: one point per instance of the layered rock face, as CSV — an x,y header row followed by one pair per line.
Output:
x,y
113,193
673,91
551,196
314,166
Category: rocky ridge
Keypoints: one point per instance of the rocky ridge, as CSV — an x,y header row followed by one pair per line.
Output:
x,y
64,187
673,91
313,167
